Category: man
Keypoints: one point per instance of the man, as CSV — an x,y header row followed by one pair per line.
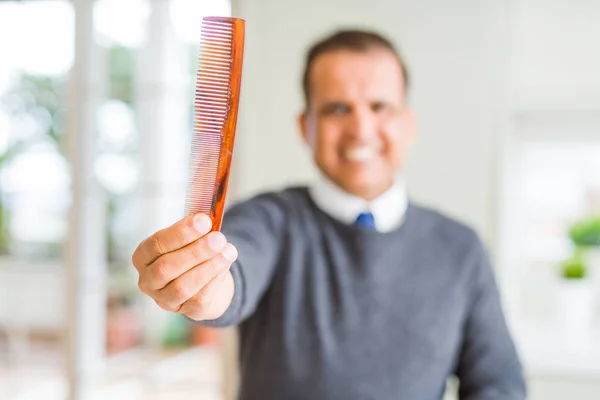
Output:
x,y
346,289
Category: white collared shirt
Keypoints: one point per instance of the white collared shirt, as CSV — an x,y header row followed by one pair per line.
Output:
x,y
388,209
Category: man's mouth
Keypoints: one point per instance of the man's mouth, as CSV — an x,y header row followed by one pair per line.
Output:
x,y
361,153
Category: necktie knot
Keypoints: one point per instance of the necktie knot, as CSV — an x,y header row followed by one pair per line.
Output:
x,y
365,220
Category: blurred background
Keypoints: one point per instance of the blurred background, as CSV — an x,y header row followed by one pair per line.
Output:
x,y
95,122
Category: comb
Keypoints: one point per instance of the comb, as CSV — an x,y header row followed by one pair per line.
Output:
x,y
216,104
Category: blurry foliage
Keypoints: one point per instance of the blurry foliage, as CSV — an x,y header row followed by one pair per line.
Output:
x,y
43,98
121,69
40,97
585,235
586,232
575,267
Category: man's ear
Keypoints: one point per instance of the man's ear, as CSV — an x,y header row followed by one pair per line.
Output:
x,y
304,127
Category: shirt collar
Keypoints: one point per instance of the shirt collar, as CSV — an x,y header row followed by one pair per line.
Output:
x,y
388,209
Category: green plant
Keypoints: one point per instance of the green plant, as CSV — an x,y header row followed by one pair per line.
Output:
x,y
586,233
574,267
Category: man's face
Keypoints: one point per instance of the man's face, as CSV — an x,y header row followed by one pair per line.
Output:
x,y
356,122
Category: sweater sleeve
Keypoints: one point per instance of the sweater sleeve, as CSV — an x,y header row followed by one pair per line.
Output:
x,y
255,228
488,366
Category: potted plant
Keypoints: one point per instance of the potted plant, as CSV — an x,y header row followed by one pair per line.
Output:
x,y
579,280
585,234
575,298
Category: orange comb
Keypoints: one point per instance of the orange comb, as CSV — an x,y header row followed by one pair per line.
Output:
x,y
215,115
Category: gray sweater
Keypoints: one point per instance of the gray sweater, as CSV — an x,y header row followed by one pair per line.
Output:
x,y
330,311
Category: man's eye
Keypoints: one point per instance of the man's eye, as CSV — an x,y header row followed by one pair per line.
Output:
x,y
379,106
337,109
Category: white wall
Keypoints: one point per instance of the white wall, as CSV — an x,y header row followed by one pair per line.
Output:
x,y
444,44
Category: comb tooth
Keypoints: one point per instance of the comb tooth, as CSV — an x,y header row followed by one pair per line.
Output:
x,y
215,99
205,80
214,132
211,99
207,62
210,110
206,118
222,40
208,22
217,28
213,25
206,125
216,62
212,81
226,62
221,67
218,79
214,94
220,45
213,87
217,34
214,75
215,58
217,67
212,90
207,106
208,130
212,120
214,129
204,106
204,98
214,48
202,112
213,126
223,54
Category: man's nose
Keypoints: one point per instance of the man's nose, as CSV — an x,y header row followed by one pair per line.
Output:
x,y
362,124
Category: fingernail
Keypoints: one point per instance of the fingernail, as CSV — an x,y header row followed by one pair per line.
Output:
x,y
229,252
216,241
202,223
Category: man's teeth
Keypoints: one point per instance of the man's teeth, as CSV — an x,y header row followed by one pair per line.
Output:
x,y
364,153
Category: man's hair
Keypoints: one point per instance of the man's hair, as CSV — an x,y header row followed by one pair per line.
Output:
x,y
350,40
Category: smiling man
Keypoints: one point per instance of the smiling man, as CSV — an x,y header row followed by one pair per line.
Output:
x,y
345,289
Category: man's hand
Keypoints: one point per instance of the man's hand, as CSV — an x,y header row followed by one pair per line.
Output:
x,y
185,269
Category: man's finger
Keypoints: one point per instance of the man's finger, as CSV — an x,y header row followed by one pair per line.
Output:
x,y
170,239
204,304
187,285
171,265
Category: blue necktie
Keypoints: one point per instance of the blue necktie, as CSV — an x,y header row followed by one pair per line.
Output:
x,y
366,221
